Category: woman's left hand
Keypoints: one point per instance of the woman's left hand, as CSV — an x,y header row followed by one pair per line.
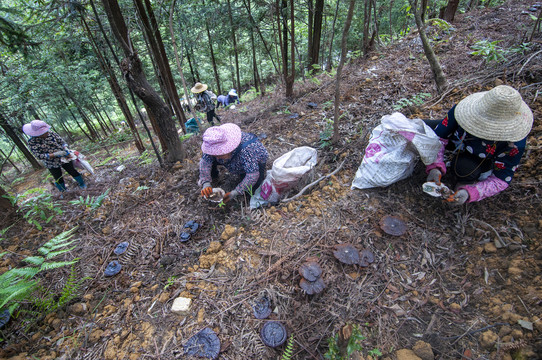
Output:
x,y
229,196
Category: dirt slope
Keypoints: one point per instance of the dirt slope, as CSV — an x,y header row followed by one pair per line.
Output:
x,y
443,282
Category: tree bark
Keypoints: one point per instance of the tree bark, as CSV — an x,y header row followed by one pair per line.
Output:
x,y
329,64
440,79
132,71
316,33
213,59
451,8
235,50
10,132
335,138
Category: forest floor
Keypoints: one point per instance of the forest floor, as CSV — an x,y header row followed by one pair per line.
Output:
x,y
461,282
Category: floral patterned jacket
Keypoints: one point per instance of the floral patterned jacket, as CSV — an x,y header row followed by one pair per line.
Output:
x,y
42,147
504,155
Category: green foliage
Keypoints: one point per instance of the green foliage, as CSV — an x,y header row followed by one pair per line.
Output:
x,y
326,134
47,301
90,202
354,344
187,136
443,25
17,285
37,206
417,100
289,351
489,50
170,281
145,158
106,160
354,54
374,352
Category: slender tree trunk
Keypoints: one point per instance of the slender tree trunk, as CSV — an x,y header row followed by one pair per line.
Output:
x,y
310,25
330,57
337,101
235,50
193,72
440,79
179,68
132,71
290,83
7,159
8,129
213,59
367,26
114,84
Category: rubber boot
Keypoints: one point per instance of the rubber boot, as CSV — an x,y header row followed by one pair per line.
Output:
x,y
80,181
60,186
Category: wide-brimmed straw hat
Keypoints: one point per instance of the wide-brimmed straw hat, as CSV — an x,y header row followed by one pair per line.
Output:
x,y
36,128
199,87
499,114
221,140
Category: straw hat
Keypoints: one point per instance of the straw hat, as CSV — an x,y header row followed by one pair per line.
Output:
x,y
499,114
36,128
199,87
221,140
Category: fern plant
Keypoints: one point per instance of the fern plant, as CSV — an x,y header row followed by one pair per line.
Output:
x,y
47,303
289,351
18,284
91,202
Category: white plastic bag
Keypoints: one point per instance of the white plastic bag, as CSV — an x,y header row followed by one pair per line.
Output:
x,y
392,152
285,174
80,162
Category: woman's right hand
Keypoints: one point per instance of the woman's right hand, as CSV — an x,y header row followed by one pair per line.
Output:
x,y
206,191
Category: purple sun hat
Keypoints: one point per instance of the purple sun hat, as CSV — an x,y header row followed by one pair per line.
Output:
x,y
36,128
221,140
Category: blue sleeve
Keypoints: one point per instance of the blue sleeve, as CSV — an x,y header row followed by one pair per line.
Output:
x,y
447,126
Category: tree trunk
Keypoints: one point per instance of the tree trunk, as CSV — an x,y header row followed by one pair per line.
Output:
x,y
440,79
235,50
367,26
316,33
18,142
335,138
329,64
114,84
132,71
150,25
451,8
213,60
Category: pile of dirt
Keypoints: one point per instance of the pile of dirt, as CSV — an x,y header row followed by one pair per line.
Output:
x,y
460,281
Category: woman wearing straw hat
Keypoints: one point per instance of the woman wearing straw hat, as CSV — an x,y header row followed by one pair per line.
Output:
x,y
206,101
49,147
243,155
487,132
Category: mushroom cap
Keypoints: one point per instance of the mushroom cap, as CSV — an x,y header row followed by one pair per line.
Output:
x,y
310,270
4,318
312,287
121,248
262,308
367,257
204,343
273,333
346,253
113,268
185,236
392,225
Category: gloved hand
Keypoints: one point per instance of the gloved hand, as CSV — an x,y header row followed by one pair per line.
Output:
x,y
207,190
459,197
60,153
434,176
230,195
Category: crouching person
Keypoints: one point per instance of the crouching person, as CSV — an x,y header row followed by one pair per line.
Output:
x,y
243,155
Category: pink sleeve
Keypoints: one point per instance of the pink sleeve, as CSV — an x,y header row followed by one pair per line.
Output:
x,y
439,162
484,189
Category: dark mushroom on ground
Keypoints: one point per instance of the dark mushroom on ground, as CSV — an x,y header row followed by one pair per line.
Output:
x,y
273,334
203,344
262,308
367,258
346,254
113,268
392,225
312,287
310,270
121,248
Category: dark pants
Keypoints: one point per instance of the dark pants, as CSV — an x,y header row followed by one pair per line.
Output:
x,y
57,172
210,115
465,167
261,178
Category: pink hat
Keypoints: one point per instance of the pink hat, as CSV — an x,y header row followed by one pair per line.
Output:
x,y
221,140
36,128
